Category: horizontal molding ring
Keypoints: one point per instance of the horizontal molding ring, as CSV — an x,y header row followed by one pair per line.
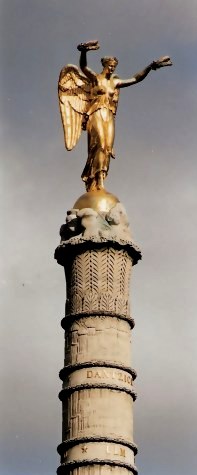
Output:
x,y
71,317
80,387
63,469
67,444
91,364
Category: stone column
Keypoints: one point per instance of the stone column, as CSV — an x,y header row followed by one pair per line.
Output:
x,y
97,393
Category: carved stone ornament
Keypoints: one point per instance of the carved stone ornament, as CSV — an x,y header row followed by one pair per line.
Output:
x,y
86,226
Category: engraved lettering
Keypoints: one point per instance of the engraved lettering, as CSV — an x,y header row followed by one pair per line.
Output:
x,y
115,450
105,374
97,374
120,377
122,452
84,449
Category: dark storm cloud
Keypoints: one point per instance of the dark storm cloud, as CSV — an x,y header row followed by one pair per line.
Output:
x,y
156,161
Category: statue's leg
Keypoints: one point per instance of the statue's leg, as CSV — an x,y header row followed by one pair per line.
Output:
x,y
100,179
105,128
109,134
100,129
99,140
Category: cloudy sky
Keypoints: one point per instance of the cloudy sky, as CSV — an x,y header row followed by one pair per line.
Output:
x,y
154,175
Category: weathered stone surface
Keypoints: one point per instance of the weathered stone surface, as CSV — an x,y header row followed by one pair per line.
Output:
x,y
98,339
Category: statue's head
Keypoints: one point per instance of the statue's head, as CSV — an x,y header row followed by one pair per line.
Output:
x,y
110,63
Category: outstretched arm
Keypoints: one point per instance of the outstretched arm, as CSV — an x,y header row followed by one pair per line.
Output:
x,y
161,62
84,47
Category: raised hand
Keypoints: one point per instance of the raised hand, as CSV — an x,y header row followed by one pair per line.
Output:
x,y
89,46
161,63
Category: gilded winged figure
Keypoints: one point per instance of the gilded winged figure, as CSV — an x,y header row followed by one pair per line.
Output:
x,y
88,101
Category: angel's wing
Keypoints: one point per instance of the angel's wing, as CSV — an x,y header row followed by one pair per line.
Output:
x,y
74,93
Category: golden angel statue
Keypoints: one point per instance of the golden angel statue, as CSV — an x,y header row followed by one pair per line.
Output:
x,y
88,101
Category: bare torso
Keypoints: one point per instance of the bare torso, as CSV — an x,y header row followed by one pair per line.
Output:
x,y
104,94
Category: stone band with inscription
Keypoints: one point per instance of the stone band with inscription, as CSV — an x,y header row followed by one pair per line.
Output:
x,y
64,446
101,375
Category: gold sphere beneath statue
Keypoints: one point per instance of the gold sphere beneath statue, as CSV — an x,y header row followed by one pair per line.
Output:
x,y
99,200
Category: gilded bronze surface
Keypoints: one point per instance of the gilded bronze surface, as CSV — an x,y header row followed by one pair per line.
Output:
x,y
99,200
89,101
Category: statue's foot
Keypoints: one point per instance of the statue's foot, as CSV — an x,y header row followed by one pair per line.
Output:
x,y
91,185
100,187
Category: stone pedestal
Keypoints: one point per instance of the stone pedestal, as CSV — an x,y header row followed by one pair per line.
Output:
x,y
97,395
